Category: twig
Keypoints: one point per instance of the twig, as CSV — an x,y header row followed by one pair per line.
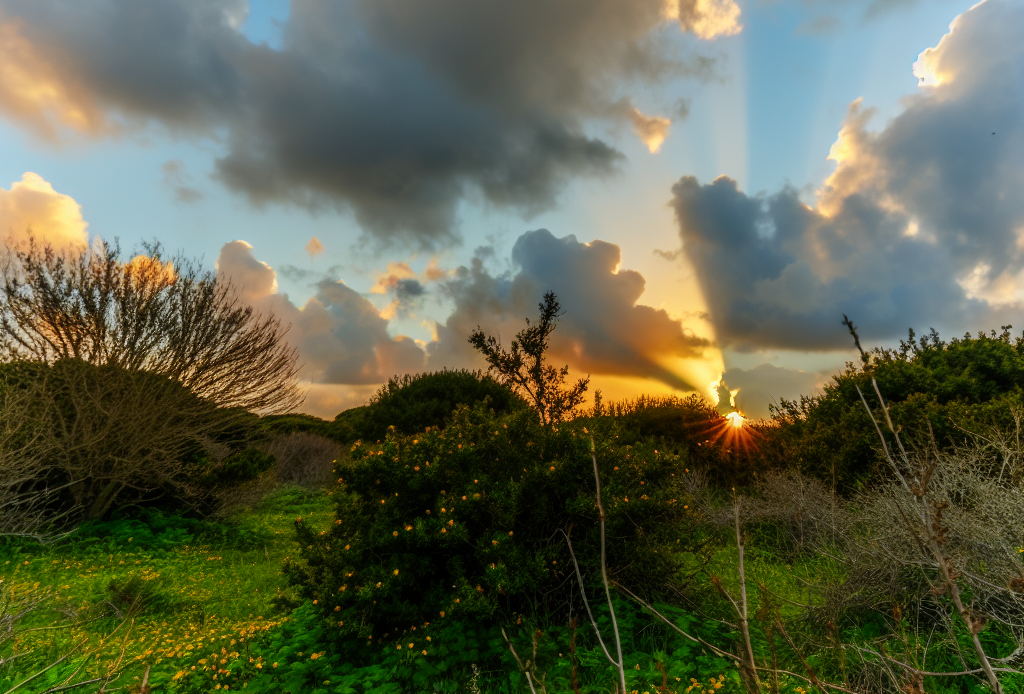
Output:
x,y
810,671
522,668
741,611
695,639
604,570
586,603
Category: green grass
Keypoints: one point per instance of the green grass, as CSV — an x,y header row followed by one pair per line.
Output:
x,y
150,606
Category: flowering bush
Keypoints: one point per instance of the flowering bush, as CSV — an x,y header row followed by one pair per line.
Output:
x,y
465,521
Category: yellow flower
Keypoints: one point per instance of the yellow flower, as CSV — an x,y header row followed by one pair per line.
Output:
x,y
424,652
396,572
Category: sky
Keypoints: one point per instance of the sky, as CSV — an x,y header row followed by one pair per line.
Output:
x,y
706,185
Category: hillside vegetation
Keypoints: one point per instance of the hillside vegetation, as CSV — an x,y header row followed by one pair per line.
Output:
x,y
491,532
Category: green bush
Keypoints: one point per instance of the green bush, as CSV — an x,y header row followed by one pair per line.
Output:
x,y
240,466
412,403
143,529
934,389
464,521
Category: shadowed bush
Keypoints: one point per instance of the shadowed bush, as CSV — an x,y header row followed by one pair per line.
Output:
x,y
413,403
466,521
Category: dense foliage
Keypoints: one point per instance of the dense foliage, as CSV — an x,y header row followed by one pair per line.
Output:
x,y
102,436
464,521
412,403
935,389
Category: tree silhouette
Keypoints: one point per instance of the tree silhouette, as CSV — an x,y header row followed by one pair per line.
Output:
x,y
523,367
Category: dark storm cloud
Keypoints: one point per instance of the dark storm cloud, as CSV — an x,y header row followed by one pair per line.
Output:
x,y
395,110
921,222
603,329
175,60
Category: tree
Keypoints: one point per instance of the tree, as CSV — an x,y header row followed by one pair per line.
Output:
x,y
523,368
165,317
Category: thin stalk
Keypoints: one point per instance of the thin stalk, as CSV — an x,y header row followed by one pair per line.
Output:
x,y
742,611
604,570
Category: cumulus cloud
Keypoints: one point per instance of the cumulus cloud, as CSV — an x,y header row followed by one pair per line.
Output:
x,y
347,349
395,110
32,208
340,335
921,221
604,331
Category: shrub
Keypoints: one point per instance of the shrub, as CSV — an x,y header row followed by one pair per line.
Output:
x,y
935,388
464,521
304,459
524,368
240,466
107,436
410,404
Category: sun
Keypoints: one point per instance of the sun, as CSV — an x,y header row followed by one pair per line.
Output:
x,y
736,419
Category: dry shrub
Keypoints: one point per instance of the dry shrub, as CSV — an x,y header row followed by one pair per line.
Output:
x,y
304,459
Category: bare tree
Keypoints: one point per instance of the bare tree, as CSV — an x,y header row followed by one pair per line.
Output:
x,y
168,317
524,366
28,504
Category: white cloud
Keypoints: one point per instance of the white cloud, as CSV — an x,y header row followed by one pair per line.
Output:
x,y
33,208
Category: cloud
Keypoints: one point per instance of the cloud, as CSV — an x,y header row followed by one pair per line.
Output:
x,y
35,93
347,350
707,19
393,110
342,339
921,221
254,279
603,331
314,247
32,208
652,130
176,178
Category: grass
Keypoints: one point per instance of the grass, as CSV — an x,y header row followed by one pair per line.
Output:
x,y
194,606
131,607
